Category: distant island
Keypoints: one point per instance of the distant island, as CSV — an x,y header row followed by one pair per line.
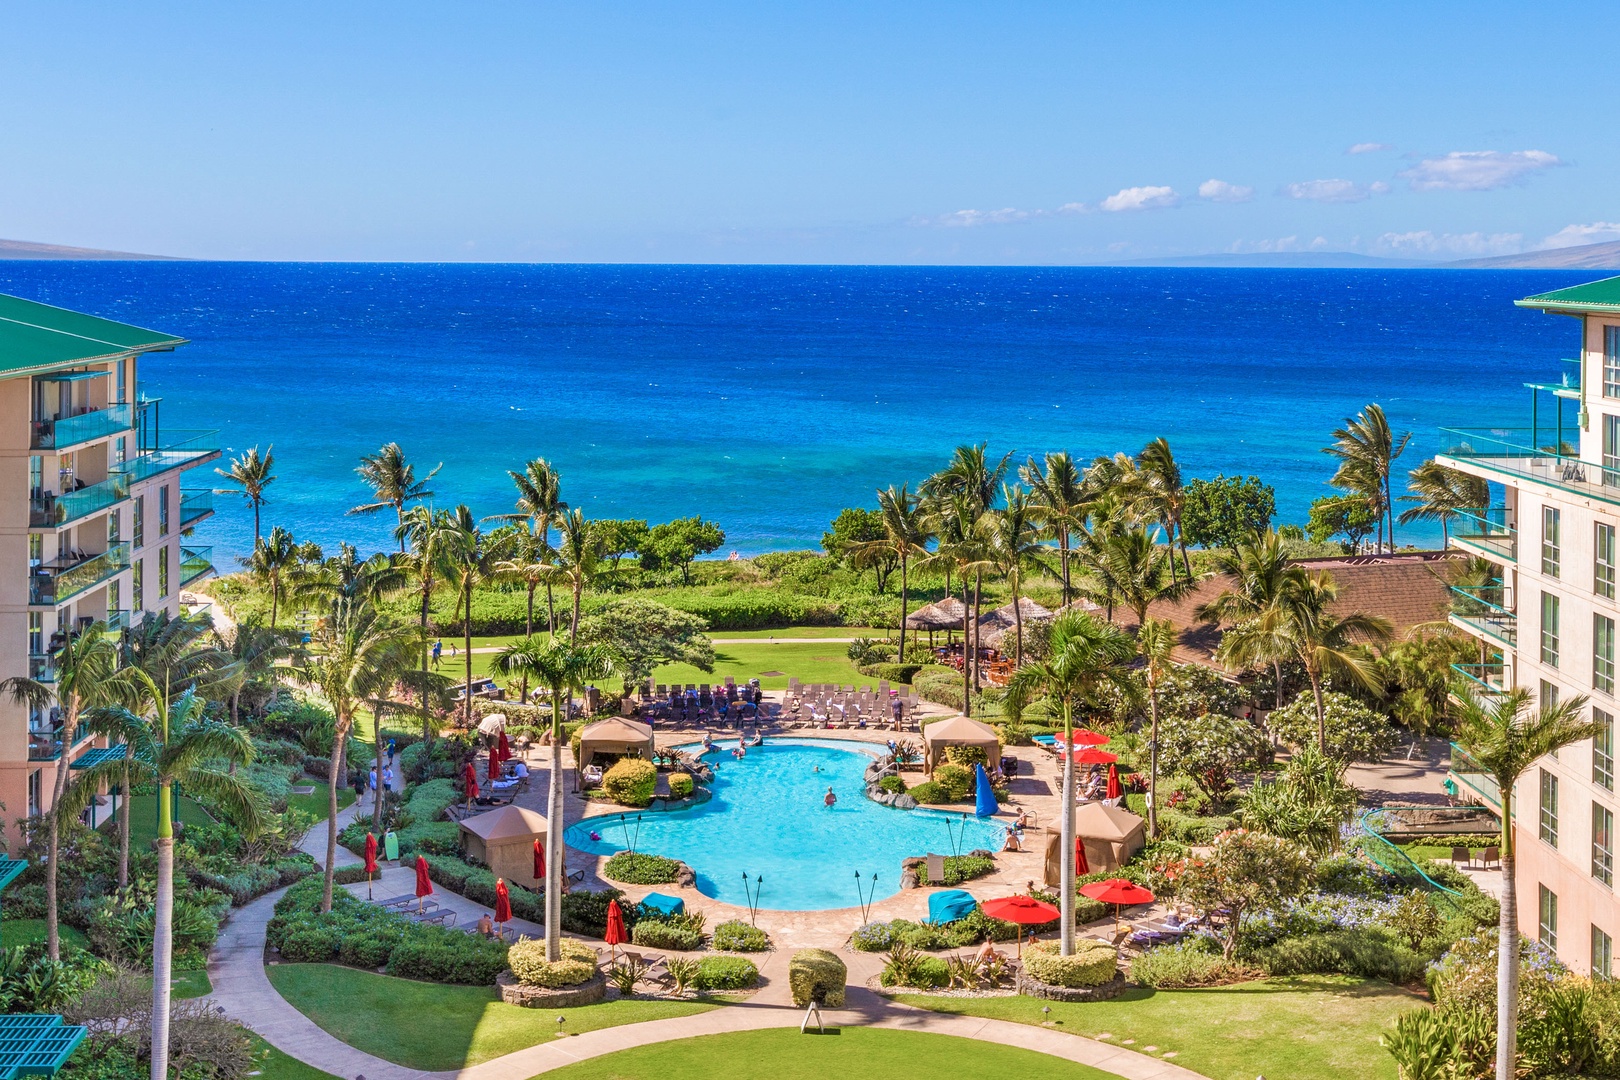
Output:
x,y
24,249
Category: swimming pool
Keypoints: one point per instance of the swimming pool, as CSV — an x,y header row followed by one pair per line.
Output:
x,y
768,819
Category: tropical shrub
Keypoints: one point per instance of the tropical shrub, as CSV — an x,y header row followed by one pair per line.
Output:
x,y
1307,803
929,792
873,937
894,673
967,757
530,967
638,868
585,912
631,782
958,868
1355,732
1093,963
817,975
955,780
725,973
1243,872
906,967
654,934
680,785
1194,962
738,936
892,784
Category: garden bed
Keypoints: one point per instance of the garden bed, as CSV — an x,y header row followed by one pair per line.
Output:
x,y
1032,987
588,992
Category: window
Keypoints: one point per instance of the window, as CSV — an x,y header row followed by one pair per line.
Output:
x,y
1611,451
36,549
137,531
1549,917
123,376
1602,955
1551,527
1603,843
163,572
35,792
36,633
1549,807
1549,697
137,602
1603,653
1603,561
1603,750
1549,629
163,510
119,451
36,476
1611,361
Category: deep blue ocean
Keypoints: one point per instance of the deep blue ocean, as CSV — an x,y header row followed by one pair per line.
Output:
x,y
766,398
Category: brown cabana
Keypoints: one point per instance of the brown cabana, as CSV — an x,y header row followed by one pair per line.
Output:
x,y
615,735
503,840
960,731
944,615
1109,835
1029,609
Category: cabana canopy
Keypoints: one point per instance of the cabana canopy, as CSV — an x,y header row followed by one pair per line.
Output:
x,y
1027,607
945,615
1109,835
960,731
615,735
503,840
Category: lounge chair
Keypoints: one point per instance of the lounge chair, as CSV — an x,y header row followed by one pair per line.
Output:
x,y
1489,856
443,917
396,901
1462,856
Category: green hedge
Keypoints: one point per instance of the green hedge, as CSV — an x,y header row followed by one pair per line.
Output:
x,y
425,833
631,782
585,912
477,884
894,673
654,934
1093,963
738,936
725,973
638,868
958,868
816,973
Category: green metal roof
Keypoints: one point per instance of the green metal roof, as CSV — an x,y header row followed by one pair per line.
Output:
x,y
96,755
1595,297
36,1044
38,337
10,868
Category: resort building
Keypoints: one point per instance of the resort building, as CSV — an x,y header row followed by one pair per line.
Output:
x,y
1546,621
93,518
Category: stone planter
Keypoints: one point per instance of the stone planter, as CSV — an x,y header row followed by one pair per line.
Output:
x,y
1031,987
898,800
588,992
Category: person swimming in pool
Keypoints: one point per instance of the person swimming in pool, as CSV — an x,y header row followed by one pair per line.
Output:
x,y
831,799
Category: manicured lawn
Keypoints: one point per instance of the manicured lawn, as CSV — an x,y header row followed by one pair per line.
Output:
x,y
432,1026
854,1052
274,1065
143,819
318,803
14,932
810,661
190,984
1320,1027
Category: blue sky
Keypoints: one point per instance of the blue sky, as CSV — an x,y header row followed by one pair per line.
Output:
x,y
824,132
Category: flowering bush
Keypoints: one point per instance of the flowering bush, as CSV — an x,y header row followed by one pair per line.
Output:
x,y
1465,977
1244,871
873,937
529,965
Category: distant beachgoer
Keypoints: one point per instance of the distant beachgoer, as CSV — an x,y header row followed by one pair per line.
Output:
x,y
390,751
1011,842
817,768
374,778
438,651
388,780
357,780
486,926
831,799
1022,821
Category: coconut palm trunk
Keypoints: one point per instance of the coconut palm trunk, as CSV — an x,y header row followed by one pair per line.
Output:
x,y
340,734
1063,561
163,928
1066,855
123,825
554,823
903,598
1153,760
1507,952
53,933
377,758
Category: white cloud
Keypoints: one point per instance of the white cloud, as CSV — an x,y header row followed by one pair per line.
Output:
x,y
1332,191
1282,244
966,219
1073,208
1141,198
1369,147
1221,191
1425,242
1595,233
1477,170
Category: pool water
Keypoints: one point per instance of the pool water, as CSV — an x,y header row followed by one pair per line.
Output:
x,y
768,819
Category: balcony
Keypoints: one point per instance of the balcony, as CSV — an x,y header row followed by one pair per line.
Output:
x,y
1487,679
49,510
1469,782
118,620
45,743
57,583
73,431
195,563
178,450
1508,454
41,667
1487,532
195,505
1479,610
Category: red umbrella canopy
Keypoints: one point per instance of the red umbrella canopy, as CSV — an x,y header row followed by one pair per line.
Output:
x,y
615,934
494,764
469,777
1023,910
1113,782
1080,864
503,901
1117,891
371,854
424,887
539,860
1082,737
504,748
1092,756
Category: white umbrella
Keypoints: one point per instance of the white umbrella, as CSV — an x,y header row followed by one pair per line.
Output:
x,y
493,724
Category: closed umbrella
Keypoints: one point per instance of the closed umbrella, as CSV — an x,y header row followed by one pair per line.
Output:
x,y
614,935
1119,892
503,903
504,748
424,887
493,724
1081,867
371,861
984,802
539,862
1023,910
1113,781
494,765
469,777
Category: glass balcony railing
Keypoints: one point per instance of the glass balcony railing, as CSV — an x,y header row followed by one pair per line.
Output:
x,y
74,430
45,744
48,510
1488,532
195,505
53,585
195,563
1503,629
177,450
42,667
1489,679
118,620
1513,452
1469,777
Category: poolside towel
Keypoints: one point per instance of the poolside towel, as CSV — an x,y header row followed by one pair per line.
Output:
x,y
669,905
950,905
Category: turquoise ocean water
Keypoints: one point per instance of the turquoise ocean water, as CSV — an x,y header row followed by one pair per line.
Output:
x,y
766,398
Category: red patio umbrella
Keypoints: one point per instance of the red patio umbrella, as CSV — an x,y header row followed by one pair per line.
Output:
x,y
1080,864
1113,782
504,748
1083,737
469,776
539,862
615,935
503,902
1092,756
371,861
424,887
1119,892
1023,910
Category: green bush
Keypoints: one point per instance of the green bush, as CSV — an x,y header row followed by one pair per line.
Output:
x,y
423,832
817,974
680,785
585,912
449,956
1371,953
873,937
638,868
958,868
1184,964
1092,964
631,782
930,793
923,973
892,784
725,973
653,934
955,780
967,757
940,689
477,884
894,673
529,965
737,936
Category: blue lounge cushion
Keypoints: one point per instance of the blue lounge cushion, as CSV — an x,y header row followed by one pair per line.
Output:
x,y
949,905
669,905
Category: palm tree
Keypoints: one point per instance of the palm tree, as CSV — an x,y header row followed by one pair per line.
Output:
x,y
1441,494
431,535
1505,737
1155,641
531,564
1060,501
972,477
1366,449
1013,546
1086,656
1160,494
254,651
274,560
905,535
474,557
128,731
393,482
346,574
579,549
1258,567
1137,571
251,474
964,544
356,655
562,668
516,661
539,503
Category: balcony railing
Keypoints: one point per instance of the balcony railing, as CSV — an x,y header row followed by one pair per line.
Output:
x,y
56,586
1488,532
45,744
54,510
195,563
195,504
1510,451
118,620
178,450
1466,774
73,430
1503,629
1489,679
42,667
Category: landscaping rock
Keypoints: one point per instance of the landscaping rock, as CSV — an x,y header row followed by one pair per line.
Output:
x,y
1030,987
908,879
588,992
685,876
